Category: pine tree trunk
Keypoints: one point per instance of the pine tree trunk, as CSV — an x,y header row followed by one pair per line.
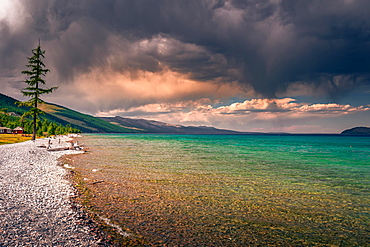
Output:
x,y
35,117
35,113
34,126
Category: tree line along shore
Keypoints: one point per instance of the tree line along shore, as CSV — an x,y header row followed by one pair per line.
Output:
x,y
44,128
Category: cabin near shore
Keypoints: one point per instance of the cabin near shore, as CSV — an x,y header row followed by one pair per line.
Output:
x,y
17,130
5,130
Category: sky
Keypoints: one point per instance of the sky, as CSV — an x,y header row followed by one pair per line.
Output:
x,y
298,66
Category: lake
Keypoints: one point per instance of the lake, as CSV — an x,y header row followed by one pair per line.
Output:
x,y
231,190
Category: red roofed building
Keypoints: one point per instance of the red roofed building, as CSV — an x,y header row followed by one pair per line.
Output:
x,y
18,130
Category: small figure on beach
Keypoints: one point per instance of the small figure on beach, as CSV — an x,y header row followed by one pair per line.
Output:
x,y
49,144
71,145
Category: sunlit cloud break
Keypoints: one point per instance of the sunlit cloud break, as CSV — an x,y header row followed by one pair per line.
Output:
x,y
270,106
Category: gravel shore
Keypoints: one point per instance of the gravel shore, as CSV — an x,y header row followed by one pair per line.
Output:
x,y
35,199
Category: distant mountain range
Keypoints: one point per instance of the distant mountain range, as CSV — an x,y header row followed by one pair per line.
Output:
x,y
150,126
90,124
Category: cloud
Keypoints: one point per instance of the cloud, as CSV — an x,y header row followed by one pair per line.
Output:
x,y
258,105
264,45
194,62
109,90
284,114
12,20
287,106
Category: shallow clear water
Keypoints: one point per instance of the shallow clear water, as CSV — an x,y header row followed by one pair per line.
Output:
x,y
221,190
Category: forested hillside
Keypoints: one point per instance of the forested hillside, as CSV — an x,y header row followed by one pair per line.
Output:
x,y
60,115
45,127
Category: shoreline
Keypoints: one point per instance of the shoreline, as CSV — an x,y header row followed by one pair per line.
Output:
x,y
81,181
37,205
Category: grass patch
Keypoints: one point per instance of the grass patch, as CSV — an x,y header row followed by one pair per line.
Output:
x,y
13,138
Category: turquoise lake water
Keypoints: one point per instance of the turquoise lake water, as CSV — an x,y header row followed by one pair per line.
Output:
x,y
234,190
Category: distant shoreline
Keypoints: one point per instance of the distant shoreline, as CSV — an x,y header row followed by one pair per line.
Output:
x,y
236,134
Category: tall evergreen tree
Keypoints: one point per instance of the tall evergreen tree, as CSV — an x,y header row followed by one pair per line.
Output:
x,y
36,73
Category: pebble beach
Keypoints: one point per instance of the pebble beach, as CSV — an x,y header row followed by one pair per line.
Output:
x,y
36,208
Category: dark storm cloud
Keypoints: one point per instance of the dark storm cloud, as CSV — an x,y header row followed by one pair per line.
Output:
x,y
261,44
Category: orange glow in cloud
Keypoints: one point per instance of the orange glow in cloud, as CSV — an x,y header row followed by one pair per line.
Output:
x,y
142,88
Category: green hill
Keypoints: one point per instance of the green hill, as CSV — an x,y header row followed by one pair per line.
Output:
x,y
9,103
357,131
64,116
